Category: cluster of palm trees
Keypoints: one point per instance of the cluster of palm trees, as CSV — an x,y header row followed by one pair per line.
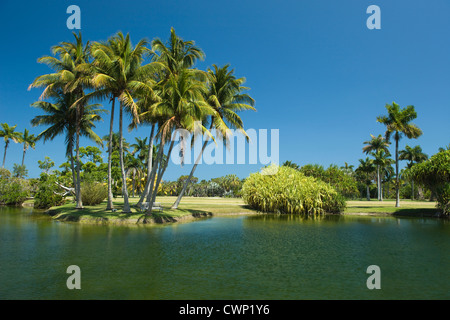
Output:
x,y
154,82
398,124
9,133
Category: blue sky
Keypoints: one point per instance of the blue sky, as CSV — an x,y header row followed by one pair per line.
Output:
x,y
316,72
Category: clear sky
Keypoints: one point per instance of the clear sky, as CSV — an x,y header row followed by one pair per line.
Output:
x,y
317,73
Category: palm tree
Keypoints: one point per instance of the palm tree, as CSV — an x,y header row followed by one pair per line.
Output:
x,y
71,80
134,167
413,155
182,106
226,97
28,140
398,123
348,169
60,118
366,168
8,133
118,73
375,145
381,160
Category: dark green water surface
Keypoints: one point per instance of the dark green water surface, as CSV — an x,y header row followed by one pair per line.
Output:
x,y
233,257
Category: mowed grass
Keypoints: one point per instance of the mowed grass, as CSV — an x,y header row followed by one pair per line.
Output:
x,y
200,207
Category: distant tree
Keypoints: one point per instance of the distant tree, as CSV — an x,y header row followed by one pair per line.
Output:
x,y
366,168
20,171
398,123
374,146
46,165
290,164
28,140
8,133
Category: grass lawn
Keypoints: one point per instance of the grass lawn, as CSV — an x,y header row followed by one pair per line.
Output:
x,y
198,207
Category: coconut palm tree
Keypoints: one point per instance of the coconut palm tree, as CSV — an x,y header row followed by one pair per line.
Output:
x,y
60,118
413,155
28,140
226,96
8,133
182,106
366,168
118,73
375,145
398,123
71,80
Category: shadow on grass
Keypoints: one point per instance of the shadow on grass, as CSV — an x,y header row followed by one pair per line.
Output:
x,y
416,212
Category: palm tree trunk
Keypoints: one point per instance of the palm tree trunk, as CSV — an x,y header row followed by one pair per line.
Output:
x,y
378,183
4,155
368,193
23,156
79,204
186,183
151,181
110,205
412,189
72,167
161,171
126,205
397,178
134,177
149,167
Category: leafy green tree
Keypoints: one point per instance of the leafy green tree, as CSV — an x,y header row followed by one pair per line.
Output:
x,y
290,164
8,133
381,160
366,168
413,155
435,175
20,171
398,123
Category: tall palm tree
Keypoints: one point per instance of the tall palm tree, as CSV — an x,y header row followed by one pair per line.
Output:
x,y
226,96
381,160
413,155
72,80
366,168
8,133
28,140
398,123
118,73
60,118
375,145
182,106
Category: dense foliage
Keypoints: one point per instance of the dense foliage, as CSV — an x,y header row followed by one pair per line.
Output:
x,y
13,190
435,175
48,193
93,193
290,191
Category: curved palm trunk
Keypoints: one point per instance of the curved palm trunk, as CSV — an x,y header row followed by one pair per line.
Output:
x,y
186,183
4,155
110,205
397,180
149,168
126,205
161,171
151,181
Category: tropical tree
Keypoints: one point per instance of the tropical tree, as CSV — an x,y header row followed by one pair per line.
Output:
x,y
60,119
375,145
398,123
72,80
8,133
226,95
366,168
118,73
413,155
381,160
290,164
28,140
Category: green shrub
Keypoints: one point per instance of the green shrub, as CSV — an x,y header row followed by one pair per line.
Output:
x,y
435,175
13,191
290,191
93,193
48,193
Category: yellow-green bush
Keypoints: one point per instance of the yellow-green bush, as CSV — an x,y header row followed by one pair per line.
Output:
x,y
93,193
290,191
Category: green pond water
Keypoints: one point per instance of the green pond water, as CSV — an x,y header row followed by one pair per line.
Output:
x,y
233,257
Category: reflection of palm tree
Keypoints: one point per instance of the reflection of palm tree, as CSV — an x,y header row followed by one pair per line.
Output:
x,y
375,145
398,123
8,133
413,155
